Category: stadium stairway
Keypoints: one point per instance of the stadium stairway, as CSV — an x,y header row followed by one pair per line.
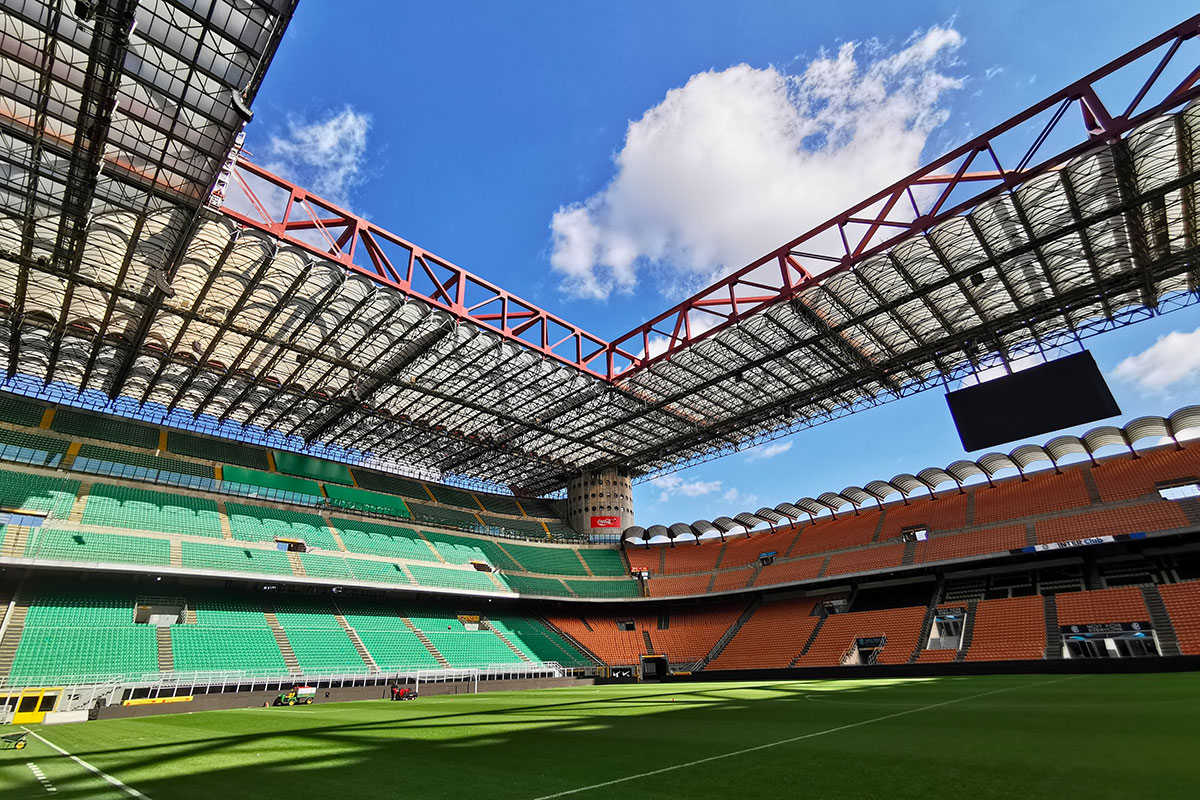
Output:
x,y
578,645
1168,640
14,538
727,637
355,639
508,642
166,656
285,647
926,628
81,498
13,630
433,651
812,637
647,640
1053,634
297,565
968,631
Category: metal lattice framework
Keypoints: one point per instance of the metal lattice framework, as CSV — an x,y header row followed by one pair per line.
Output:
x,y
286,313
926,482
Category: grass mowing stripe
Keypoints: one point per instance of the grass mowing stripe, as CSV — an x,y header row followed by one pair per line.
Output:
x,y
802,737
129,790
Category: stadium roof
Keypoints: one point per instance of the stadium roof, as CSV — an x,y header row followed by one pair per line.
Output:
x,y
284,312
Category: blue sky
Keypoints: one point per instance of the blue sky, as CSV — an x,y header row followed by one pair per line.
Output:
x,y
495,135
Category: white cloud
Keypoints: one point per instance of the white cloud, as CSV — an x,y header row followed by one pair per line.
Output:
x,y
737,162
1172,359
673,485
734,496
769,451
325,155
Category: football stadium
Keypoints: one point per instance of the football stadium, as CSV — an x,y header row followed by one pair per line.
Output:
x,y
292,507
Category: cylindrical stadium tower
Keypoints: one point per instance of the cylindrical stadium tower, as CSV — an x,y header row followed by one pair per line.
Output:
x,y
600,502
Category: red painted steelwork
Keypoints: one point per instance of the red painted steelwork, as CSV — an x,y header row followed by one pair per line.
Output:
x,y
865,230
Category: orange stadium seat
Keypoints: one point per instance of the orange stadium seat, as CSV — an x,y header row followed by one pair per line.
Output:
x,y
1008,629
746,549
689,636
849,530
685,584
732,579
773,636
971,543
692,557
1040,494
787,571
871,558
945,513
1158,516
1124,478
1183,605
936,656
643,558
901,626
1102,605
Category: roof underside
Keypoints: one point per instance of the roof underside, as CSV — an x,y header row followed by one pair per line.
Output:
x,y
164,302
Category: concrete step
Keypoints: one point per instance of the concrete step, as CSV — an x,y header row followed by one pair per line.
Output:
x,y
441,659
510,645
166,655
285,647
363,653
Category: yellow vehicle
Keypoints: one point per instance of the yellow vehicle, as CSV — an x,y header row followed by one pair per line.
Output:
x,y
299,696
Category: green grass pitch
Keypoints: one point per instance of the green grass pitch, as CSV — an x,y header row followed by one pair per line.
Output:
x,y
977,737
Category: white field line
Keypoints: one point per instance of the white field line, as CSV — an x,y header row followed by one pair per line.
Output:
x,y
812,735
41,776
104,775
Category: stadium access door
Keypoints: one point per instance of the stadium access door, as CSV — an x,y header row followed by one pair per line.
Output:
x,y
654,668
1110,640
28,706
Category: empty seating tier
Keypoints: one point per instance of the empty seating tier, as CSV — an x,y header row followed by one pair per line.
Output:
x,y
221,451
26,492
1103,605
271,486
32,448
146,510
377,571
361,536
391,484
1124,478
317,469
732,579
1182,601
682,558
872,558
788,571
261,524
610,588
445,516
235,559
971,543
901,627
75,423
466,649
111,462
538,642
1008,629
771,639
679,585
548,560
1039,494
604,563
453,578
848,530
48,543
500,504
528,584
465,549
20,412
450,496
1156,516
944,512
365,501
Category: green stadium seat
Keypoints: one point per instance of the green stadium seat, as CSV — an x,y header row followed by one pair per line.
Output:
x,y
94,426
20,490
397,649
270,486
377,539
547,560
260,524
464,550
527,584
453,497
21,412
320,566
617,588
111,548
377,571
147,510
472,649
317,469
365,501
221,451
538,641
32,448
452,578
605,563
108,461
444,517
390,484
234,559
217,649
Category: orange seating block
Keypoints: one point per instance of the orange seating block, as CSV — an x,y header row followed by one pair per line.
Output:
x,y
971,543
1040,494
848,530
685,584
1183,606
1124,477
1008,629
1157,516
871,558
936,656
945,512
901,626
773,636
745,550
692,557
1103,605
732,579
787,571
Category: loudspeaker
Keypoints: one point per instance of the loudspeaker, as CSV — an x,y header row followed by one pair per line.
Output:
x,y
1051,396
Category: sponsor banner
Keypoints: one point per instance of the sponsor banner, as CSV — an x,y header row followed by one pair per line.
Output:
x,y
606,522
1107,627
154,701
1075,543
951,612
870,641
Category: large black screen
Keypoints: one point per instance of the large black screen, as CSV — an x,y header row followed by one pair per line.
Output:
x,y
1051,396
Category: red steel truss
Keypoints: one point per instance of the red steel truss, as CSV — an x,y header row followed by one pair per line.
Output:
x,y
948,186
270,203
944,188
